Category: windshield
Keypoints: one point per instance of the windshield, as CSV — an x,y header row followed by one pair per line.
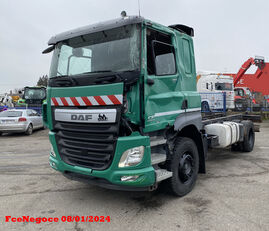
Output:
x,y
239,92
112,50
224,86
35,93
10,114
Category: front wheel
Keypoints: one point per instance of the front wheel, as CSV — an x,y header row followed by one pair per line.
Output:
x,y
184,165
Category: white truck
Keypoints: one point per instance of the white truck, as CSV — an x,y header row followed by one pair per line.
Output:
x,y
211,87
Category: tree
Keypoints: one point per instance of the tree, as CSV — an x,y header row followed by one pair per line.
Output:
x,y
43,81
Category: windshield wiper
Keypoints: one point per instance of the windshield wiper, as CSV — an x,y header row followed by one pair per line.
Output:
x,y
93,72
110,78
64,80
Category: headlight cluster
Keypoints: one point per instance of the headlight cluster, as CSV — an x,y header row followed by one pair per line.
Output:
x,y
132,157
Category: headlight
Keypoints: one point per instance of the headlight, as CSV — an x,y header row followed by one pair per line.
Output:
x,y
131,157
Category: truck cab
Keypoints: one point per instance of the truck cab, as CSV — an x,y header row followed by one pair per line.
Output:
x,y
33,96
122,106
244,99
211,87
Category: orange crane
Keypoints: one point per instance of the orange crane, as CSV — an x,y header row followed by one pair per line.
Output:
x,y
244,94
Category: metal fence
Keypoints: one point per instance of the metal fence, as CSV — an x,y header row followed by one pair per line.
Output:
x,y
250,105
220,102
265,105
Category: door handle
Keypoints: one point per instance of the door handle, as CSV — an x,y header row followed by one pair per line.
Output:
x,y
184,105
150,81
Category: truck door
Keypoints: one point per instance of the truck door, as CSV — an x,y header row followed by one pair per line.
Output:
x,y
162,101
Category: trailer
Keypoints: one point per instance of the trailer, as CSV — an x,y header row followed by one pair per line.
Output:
x,y
123,109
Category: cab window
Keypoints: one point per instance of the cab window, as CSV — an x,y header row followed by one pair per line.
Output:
x,y
160,54
239,92
187,56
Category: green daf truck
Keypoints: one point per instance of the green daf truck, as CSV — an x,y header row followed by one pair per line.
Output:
x,y
123,110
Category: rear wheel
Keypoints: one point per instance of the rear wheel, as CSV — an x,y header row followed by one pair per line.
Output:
x,y
237,147
184,165
205,107
29,130
249,138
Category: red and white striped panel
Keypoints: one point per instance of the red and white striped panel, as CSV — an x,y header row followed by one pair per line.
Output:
x,y
87,100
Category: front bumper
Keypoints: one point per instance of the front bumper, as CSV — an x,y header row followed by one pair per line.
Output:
x,y
13,127
111,177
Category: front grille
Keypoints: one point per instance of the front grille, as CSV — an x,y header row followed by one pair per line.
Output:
x,y
86,145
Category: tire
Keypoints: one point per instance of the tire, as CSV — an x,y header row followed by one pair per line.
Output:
x,y
237,147
249,138
205,107
29,130
1,133
184,165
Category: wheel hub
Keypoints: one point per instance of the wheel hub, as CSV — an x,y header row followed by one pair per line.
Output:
x,y
186,166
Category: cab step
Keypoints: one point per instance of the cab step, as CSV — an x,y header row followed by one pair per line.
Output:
x,y
157,140
162,174
157,158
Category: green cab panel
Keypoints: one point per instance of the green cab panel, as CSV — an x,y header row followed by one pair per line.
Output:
x,y
81,91
168,95
92,90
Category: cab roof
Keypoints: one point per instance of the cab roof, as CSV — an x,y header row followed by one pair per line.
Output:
x,y
111,24
95,28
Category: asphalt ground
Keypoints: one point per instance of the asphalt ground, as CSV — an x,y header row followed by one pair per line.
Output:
x,y
233,195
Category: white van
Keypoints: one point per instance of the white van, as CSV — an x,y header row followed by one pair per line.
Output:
x,y
211,88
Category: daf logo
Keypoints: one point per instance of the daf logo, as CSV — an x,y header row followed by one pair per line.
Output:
x,y
81,117
102,117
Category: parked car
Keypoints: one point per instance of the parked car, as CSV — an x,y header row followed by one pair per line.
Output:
x,y
20,120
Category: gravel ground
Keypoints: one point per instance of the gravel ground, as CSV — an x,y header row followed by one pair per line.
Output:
x,y
233,195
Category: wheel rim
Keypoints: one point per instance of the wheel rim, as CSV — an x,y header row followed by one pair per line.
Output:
x,y
186,168
30,129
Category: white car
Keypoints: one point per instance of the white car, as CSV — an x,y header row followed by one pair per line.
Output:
x,y
20,120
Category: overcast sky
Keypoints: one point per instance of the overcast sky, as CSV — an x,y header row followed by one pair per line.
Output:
x,y
227,32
